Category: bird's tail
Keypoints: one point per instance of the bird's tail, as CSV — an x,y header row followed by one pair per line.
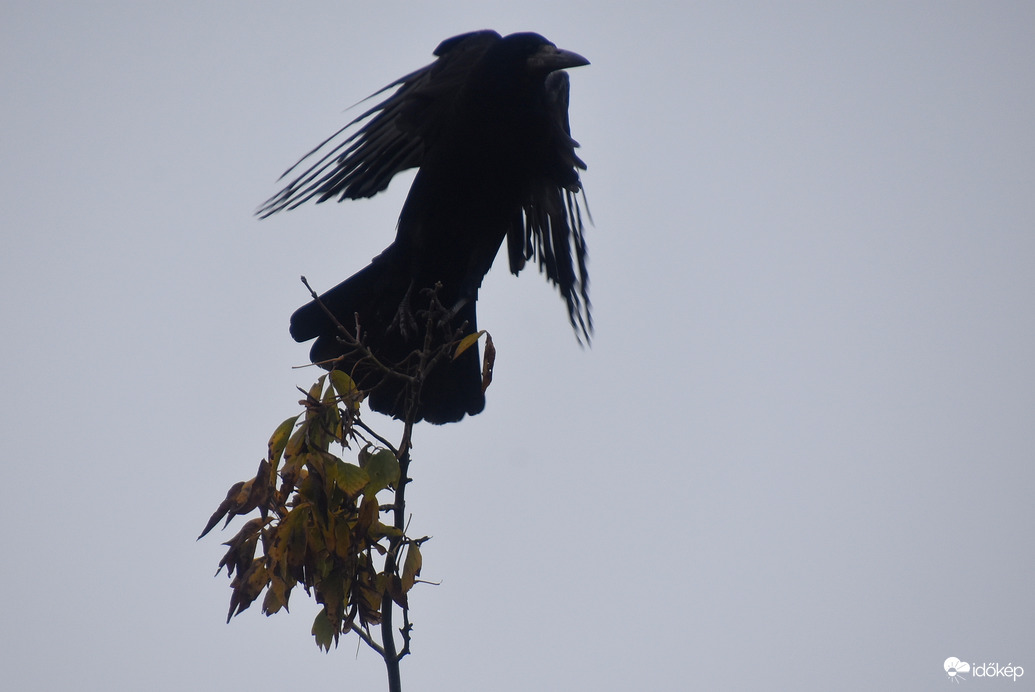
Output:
x,y
393,325
356,296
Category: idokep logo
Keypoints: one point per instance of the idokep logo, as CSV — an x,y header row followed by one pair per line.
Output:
x,y
955,667
956,670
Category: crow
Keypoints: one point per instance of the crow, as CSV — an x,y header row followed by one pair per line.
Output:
x,y
486,127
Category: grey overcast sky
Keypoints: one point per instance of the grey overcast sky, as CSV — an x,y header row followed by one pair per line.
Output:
x,y
798,454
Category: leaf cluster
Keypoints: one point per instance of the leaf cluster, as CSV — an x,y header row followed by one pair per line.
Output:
x,y
320,528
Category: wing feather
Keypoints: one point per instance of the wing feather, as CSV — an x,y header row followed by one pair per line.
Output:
x,y
550,228
393,136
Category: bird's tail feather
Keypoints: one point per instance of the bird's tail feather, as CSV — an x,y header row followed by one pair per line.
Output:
x,y
373,297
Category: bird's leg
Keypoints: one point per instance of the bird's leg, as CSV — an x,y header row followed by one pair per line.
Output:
x,y
404,321
457,306
439,317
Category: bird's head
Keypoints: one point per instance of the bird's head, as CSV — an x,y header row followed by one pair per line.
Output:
x,y
542,56
529,55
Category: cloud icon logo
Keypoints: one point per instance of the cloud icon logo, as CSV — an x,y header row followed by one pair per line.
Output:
x,y
953,667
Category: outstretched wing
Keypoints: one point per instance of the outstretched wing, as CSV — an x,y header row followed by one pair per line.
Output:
x,y
550,227
394,137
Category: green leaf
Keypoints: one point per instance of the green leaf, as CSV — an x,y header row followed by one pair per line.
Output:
x,y
279,439
383,468
323,630
364,455
350,478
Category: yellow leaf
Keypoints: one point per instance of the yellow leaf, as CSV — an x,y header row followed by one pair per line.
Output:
x,y
411,567
379,531
316,389
346,388
466,343
279,439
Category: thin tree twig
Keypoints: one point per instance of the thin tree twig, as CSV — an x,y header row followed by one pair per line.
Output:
x,y
368,639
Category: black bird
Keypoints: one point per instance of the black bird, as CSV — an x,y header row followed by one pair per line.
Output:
x,y
486,125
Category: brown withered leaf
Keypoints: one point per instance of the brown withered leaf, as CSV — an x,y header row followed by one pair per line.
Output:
x,y
488,362
242,546
244,496
342,539
247,587
263,488
395,590
368,512
293,528
223,508
276,595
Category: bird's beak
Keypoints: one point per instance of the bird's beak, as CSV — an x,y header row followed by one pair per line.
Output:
x,y
549,58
